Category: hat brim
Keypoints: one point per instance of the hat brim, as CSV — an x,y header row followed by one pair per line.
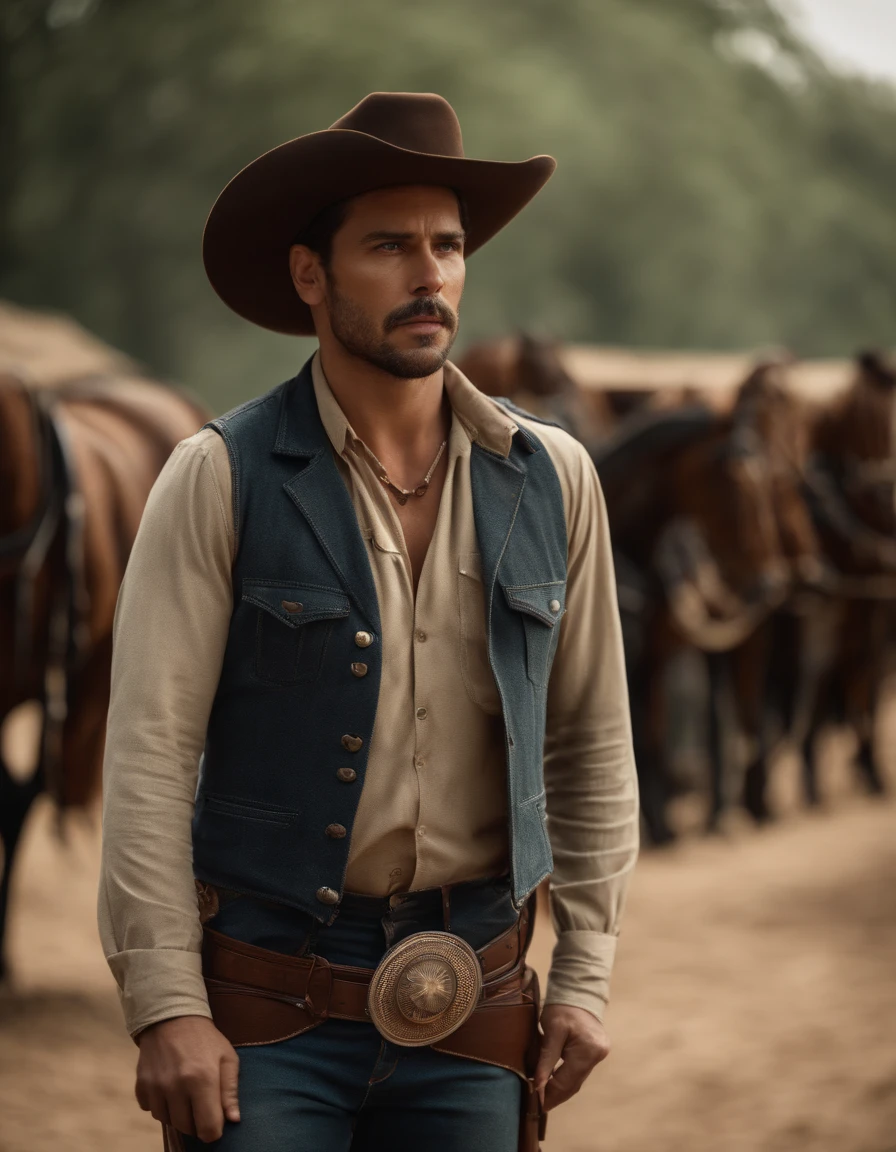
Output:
x,y
256,218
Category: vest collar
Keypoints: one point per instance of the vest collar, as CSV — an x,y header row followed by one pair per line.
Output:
x,y
310,415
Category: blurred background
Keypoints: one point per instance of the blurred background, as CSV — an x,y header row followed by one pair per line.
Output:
x,y
705,294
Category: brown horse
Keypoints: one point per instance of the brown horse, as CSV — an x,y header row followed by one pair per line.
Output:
x,y
77,461
848,640
530,372
759,675
699,557
823,656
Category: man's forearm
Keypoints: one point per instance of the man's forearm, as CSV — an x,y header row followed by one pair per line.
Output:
x,y
170,631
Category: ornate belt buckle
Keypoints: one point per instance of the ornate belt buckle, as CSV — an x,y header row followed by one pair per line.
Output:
x,y
424,988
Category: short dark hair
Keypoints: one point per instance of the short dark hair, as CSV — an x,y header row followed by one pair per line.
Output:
x,y
318,236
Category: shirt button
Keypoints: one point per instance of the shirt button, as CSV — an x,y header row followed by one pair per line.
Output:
x,y
351,743
363,639
421,831
554,605
421,635
421,713
335,831
359,669
346,775
420,761
328,895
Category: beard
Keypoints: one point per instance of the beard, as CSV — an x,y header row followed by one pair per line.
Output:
x,y
368,339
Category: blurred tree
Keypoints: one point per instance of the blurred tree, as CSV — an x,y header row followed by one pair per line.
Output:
x,y
718,187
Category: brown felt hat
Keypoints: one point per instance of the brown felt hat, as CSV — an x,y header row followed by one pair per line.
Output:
x,y
390,138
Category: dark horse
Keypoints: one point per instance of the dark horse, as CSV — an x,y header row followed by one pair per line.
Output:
x,y
706,535
77,461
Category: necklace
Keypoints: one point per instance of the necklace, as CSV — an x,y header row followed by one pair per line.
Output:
x,y
402,494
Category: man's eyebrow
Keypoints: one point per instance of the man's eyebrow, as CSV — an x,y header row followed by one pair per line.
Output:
x,y
440,237
371,236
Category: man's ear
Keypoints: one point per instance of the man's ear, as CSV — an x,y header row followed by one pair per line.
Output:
x,y
308,274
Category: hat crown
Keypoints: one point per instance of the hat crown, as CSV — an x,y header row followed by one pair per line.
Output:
x,y
416,121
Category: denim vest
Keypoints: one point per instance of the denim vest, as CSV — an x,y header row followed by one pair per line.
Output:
x,y
290,727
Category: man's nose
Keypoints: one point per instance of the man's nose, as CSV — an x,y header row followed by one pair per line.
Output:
x,y
428,278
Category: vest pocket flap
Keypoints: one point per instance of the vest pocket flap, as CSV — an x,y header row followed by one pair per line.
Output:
x,y
296,604
546,602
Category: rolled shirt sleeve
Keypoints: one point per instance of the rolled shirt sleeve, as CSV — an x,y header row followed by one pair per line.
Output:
x,y
592,792
171,629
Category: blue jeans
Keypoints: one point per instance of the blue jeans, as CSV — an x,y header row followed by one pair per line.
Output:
x,y
341,1086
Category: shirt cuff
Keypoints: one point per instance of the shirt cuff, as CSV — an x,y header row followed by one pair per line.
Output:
x,y
580,971
157,984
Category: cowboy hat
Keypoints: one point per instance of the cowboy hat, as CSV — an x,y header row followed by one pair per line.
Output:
x,y
390,138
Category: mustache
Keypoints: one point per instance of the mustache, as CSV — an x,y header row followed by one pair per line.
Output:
x,y
423,306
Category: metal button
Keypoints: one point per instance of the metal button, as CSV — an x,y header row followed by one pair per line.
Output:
x,y
554,605
292,606
328,896
363,639
421,713
421,635
351,743
359,669
346,775
335,831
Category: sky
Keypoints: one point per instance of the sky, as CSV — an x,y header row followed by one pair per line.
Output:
x,y
858,35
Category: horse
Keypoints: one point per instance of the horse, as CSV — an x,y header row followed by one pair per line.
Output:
x,y
852,491
822,657
759,675
698,555
530,372
78,457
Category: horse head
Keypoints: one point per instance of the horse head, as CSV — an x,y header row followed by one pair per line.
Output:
x,y
766,406
530,371
853,442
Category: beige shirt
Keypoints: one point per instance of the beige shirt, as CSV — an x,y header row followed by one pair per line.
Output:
x,y
433,810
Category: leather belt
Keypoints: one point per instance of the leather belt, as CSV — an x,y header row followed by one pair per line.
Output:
x,y
260,997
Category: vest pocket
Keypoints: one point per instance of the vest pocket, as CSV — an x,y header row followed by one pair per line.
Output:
x,y
541,607
478,677
243,809
292,628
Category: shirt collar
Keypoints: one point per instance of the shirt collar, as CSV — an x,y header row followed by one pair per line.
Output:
x,y
484,421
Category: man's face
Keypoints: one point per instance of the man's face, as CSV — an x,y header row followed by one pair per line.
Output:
x,y
395,279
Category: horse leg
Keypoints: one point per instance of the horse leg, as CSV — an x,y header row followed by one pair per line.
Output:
x,y
652,774
868,768
16,798
810,768
755,708
717,668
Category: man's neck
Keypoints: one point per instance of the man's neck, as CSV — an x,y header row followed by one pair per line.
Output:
x,y
397,418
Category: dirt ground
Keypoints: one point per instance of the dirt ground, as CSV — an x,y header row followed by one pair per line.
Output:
x,y
754,999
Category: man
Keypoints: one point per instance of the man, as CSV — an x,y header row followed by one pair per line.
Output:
x,y
379,607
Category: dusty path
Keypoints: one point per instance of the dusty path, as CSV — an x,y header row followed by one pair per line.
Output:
x,y
754,1006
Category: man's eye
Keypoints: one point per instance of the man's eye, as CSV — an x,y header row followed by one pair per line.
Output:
x,y
449,246
389,246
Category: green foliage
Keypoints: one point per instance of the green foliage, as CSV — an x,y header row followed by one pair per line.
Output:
x,y
717,186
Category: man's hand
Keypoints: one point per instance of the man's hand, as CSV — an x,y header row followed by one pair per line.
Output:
x,y
574,1036
187,1076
